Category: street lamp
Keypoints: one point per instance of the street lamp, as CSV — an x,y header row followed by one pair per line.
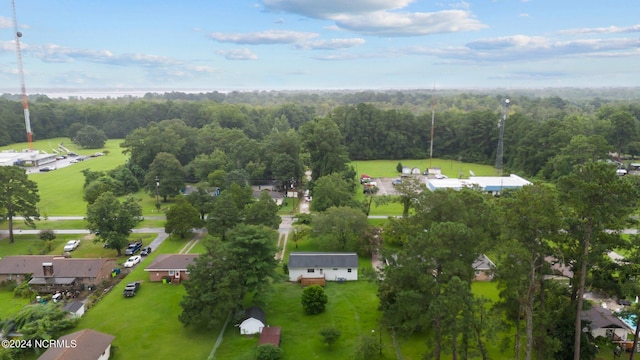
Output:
x,y
158,193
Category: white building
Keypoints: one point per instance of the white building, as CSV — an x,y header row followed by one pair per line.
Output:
x,y
329,266
490,184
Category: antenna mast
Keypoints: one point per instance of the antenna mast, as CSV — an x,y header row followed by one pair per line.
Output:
x,y
500,152
25,103
433,118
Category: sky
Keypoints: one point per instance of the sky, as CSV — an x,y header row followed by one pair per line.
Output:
x,y
224,45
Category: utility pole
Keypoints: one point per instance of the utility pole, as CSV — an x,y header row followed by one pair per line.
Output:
x,y
158,193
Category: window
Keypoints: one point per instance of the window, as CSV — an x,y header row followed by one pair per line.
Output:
x,y
311,271
349,270
335,269
187,272
320,271
171,272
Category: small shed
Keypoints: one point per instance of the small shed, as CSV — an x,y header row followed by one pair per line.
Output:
x,y
75,309
415,171
253,322
270,335
406,170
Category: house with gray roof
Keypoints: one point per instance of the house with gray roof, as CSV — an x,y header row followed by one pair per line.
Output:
x,y
329,266
48,274
483,267
85,344
172,267
602,322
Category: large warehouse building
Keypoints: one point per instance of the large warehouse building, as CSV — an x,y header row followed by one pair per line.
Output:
x,y
491,184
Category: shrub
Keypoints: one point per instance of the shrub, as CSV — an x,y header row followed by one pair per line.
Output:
x,y
314,299
22,291
47,234
269,352
330,336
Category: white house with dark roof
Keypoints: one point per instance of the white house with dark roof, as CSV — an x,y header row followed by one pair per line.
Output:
x,y
483,267
330,266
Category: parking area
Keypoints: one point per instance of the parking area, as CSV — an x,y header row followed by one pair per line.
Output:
x,y
385,186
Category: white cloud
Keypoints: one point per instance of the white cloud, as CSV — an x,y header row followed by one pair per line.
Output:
x,y
381,17
525,48
384,23
332,44
602,30
237,54
328,8
263,37
5,22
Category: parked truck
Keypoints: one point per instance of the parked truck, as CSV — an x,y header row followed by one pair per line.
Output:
x,y
133,247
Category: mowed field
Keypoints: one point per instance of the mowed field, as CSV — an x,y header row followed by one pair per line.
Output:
x,y
61,190
387,169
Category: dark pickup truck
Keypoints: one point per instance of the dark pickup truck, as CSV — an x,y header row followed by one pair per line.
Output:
x,y
133,247
131,289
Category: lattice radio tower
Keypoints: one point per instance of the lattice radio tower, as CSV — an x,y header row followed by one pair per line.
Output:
x,y
25,103
500,152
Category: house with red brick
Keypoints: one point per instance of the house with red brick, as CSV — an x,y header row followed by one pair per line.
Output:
x,y
47,273
171,267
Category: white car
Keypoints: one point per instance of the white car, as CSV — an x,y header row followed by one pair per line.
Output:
x,y
132,261
71,245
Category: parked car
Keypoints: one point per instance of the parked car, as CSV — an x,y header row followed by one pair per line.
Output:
x,y
45,169
440,176
71,245
624,302
132,261
146,251
396,182
131,289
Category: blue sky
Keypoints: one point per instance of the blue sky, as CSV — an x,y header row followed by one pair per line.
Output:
x,y
320,44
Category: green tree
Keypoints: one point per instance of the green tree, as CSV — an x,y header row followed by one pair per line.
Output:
x,y
600,203
330,336
340,227
298,232
531,221
323,141
126,179
100,186
112,220
18,196
220,278
182,218
224,215
90,137
168,172
268,352
314,299
252,250
213,289
263,212
42,322
367,347
202,199
331,190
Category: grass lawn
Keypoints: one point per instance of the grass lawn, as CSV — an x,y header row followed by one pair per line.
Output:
x,y
31,245
75,224
147,326
451,168
10,304
352,308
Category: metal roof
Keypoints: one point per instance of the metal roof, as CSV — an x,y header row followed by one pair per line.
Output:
x,y
321,259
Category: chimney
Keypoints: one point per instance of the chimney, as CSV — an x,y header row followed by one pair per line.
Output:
x,y
47,269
